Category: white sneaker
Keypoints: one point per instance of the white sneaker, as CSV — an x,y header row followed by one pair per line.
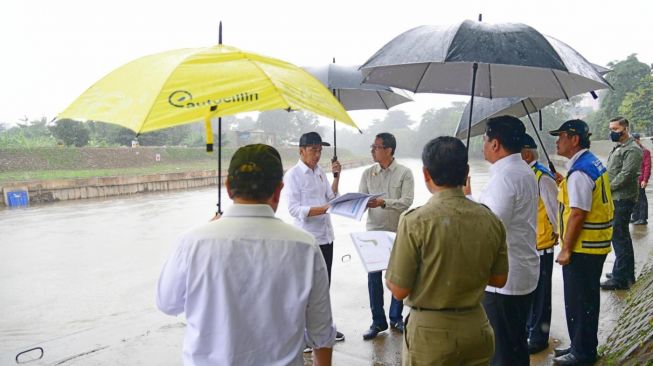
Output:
x,y
308,350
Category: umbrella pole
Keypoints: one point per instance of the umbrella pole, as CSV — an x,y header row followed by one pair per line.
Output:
x,y
471,104
219,165
553,169
335,155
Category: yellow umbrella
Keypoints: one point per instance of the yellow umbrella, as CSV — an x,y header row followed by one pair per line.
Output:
x,y
190,85
180,86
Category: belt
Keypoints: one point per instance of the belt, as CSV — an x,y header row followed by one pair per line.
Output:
x,y
452,310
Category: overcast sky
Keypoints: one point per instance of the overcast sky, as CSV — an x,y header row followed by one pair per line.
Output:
x,y
53,50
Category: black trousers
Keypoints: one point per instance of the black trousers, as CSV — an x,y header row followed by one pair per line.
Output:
x,y
508,315
539,320
640,212
623,270
583,302
327,254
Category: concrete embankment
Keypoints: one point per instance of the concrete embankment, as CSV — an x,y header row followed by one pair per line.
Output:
x,y
44,191
631,341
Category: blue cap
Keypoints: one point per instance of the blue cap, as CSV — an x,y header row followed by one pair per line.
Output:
x,y
573,127
528,142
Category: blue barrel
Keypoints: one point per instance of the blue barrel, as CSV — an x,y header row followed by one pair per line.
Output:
x,y
17,198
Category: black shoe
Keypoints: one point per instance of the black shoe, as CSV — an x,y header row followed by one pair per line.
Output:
x,y
570,359
608,275
561,351
632,221
612,285
536,347
398,326
373,332
339,337
640,222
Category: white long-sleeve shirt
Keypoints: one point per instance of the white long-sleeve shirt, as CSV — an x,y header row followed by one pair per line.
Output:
x,y
254,290
305,188
511,193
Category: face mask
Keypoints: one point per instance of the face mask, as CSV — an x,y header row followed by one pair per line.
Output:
x,y
616,136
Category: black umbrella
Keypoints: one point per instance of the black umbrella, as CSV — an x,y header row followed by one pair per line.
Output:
x,y
346,83
482,59
485,108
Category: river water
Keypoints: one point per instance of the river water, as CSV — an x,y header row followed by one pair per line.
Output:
x,y
77,278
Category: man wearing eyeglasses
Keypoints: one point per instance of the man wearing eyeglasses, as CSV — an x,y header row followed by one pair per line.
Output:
x,y
396,183
308,193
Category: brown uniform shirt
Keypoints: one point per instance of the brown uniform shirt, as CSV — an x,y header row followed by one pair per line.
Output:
x,y
446,250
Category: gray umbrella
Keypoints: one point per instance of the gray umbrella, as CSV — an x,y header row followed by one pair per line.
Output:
x,y
482,59
353,94
485,108
347,85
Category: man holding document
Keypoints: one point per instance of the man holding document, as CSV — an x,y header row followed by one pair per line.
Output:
x,y
395,183
308,193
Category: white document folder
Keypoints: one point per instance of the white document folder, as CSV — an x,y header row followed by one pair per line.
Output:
x,y
374,248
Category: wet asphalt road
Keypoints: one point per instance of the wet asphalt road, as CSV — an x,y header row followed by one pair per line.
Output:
x,y
77,278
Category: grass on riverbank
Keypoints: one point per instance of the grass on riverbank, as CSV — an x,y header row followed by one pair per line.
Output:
x,y
89,173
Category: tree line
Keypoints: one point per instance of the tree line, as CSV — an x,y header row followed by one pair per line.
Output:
x,y
631,97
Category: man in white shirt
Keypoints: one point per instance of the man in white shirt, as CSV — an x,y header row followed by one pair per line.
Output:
x,y
254,290
308,193
539,320
511,193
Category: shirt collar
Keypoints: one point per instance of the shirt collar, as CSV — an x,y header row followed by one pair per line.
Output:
x,y
390,167
249,210
532,163
305,168
629,141
573,159
446,193
504,162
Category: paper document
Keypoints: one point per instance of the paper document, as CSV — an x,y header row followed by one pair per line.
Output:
x,y
374,248
351,205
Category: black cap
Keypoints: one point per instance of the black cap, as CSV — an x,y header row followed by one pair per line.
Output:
x,y
254,163
312,138
573,127
528,142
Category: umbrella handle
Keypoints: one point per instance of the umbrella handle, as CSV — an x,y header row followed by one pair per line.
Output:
x,y
209,132
335,155
553,169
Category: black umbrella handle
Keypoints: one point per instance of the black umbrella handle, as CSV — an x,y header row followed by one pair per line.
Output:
x,y
553,169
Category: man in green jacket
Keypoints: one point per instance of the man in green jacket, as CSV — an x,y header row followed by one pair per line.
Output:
x,y
623,170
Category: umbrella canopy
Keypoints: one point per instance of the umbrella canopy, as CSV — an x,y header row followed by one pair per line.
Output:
x,y
485,108
189,85
183,86
347,83
512,60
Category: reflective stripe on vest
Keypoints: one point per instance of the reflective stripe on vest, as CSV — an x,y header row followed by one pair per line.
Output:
x,y
596,235
545,237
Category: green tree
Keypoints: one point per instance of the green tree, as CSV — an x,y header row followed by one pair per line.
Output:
x,y
393,121
437,122
288,126
637,106
625,77
71,133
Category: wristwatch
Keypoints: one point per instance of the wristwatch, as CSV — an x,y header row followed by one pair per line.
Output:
x,y
383,204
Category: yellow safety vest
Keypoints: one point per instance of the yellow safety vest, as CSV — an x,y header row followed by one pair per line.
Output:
x,y
545,237
596,235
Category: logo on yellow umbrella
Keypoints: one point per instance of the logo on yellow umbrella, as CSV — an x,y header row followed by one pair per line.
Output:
x,y
184,99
